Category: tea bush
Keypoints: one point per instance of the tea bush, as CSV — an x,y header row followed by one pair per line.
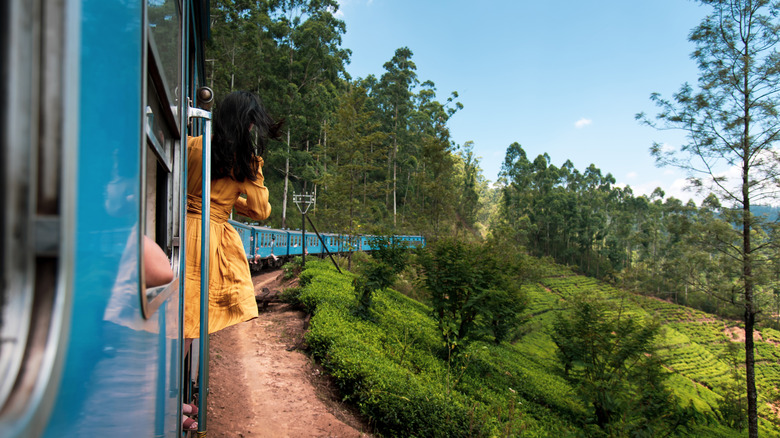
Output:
x,y
389,368
400,402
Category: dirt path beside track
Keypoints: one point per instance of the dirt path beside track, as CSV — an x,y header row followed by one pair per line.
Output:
x,y
260,389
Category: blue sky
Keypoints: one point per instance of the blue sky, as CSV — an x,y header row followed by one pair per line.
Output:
x,y
562,77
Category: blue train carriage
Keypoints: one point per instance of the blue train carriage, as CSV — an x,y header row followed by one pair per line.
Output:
x,y
270,247
331,242
369,242
411,241
297,242
95,95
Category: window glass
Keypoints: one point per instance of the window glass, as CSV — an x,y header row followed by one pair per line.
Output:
x,y
161,167
158,132
165,41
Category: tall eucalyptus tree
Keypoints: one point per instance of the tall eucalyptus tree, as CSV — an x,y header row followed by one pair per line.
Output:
x,y
395,91
357,151
732,121
309,64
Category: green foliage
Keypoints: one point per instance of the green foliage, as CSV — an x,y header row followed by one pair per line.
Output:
x,y
390,251
388,258
389,366
292,268
370,363
374,276
378,149
474,291
610,359
291,295
733,407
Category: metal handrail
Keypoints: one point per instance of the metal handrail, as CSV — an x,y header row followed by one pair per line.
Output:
x,y
205,250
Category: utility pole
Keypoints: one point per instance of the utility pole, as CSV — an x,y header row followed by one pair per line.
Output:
x,y
303,202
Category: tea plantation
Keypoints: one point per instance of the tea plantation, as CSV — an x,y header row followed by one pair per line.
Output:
x,y
390,365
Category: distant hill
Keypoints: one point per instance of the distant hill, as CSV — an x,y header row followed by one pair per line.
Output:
x,y
769,212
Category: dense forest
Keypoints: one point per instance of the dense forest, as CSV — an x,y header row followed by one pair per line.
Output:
x,y
378,154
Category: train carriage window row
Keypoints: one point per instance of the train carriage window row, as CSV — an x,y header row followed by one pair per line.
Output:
x,y
272,247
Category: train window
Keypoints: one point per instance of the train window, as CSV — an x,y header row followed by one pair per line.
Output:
x,y
161,174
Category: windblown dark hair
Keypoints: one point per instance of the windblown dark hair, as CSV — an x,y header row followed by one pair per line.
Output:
x,y
233,148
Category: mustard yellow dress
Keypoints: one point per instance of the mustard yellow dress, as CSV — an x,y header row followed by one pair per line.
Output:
x,y
231,293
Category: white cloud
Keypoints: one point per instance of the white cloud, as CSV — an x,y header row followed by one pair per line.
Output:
x,y
583,122
632,175
680,190
338,14
677,189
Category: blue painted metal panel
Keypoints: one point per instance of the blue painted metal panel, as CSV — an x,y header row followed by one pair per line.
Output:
x,y
255,243
245,232
110,382
285,242
294,245
332,242
313,244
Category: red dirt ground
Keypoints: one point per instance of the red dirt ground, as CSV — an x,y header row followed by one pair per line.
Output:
x,y
260,389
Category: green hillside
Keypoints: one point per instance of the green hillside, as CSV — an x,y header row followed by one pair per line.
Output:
x,y
390,366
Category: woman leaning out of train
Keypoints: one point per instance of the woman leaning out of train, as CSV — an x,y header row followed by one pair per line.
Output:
x,y
242,128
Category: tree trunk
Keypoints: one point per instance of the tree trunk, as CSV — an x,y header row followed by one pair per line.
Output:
x,y
286,182
351,204
750,311
747,264
325,153
750,368
395,163
233,68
